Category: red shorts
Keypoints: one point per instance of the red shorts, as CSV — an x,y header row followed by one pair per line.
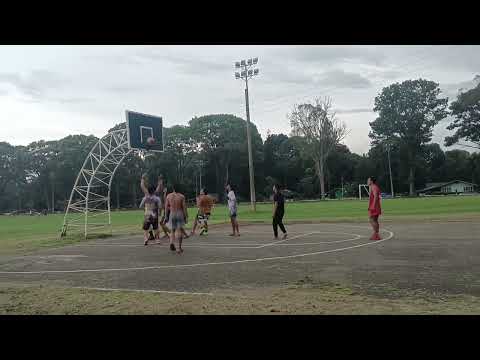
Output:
x,y
373,213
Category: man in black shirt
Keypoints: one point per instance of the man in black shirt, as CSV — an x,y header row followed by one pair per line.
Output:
x,y
278,211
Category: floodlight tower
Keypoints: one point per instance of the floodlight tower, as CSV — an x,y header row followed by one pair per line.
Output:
x,y
388,146
246,72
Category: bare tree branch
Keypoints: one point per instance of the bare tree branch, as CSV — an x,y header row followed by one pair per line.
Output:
x,y
321,129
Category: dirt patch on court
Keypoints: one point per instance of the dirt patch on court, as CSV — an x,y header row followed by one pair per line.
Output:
x,y
304,297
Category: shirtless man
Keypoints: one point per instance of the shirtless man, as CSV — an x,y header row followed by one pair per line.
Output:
x,y
160,192
204,204
177,217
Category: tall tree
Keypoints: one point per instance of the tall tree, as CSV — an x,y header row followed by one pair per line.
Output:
x,y
434,165
341,166
7,165
222,139
181,144
282,161
458,165
408,112
466,110
322,132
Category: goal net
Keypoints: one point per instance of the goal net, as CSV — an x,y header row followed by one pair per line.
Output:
x,y
363,191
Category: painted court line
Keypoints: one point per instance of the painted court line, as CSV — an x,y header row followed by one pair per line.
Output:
x,y
144,291
181,266
275,243
280,241
228,246
245,245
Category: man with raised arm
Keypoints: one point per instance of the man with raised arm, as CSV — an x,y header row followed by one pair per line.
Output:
x,y
160,192
151,203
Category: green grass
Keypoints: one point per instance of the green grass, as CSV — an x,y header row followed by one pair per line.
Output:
x,y
26,233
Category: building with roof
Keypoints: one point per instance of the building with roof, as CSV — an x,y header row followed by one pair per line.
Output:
x,y
450,187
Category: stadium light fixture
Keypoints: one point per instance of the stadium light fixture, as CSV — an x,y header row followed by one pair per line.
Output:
x,y
245,74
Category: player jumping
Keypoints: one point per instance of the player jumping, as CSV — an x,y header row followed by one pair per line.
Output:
x,y
160,192
152,203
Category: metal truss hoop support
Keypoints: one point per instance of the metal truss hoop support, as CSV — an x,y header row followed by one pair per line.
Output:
x,y
90,196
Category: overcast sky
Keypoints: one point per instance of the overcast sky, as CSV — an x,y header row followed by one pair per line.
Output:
x,y
49,92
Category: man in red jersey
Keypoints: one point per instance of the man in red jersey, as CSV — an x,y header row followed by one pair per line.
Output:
x,y
374,208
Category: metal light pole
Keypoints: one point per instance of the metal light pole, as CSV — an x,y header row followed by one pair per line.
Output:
x,y
390,169
201,175
246,72
342,188
199,163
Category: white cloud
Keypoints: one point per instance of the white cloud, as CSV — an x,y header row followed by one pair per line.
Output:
x,y
58,90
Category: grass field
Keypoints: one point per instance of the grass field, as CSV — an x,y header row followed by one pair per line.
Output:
x,y
19,234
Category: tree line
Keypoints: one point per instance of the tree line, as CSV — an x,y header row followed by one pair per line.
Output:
x,y
311,161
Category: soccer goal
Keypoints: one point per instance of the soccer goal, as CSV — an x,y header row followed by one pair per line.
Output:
x,y
363,190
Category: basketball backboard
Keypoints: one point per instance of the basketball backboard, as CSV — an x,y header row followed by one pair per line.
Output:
x,y
142,126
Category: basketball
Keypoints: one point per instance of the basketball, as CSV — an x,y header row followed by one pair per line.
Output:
x,y
150,141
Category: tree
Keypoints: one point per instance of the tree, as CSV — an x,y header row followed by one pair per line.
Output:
x,y
7,164
341,167
475,167
458,165
52,168
466,110
321,130
434,165
282,161
14,164
182,146
222,139
408,112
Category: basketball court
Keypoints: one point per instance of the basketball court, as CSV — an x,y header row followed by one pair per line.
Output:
x,y
433,256
439,256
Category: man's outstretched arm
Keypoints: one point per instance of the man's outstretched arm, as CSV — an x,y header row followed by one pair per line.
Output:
x,y
159,189
143,185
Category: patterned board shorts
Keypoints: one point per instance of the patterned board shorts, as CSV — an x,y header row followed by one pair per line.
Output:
x,y
176,220
203,218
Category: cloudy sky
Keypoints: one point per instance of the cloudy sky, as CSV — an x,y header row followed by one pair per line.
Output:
x,y
48,92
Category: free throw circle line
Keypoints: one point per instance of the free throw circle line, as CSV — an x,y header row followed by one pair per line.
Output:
x,y
159,267
230,246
